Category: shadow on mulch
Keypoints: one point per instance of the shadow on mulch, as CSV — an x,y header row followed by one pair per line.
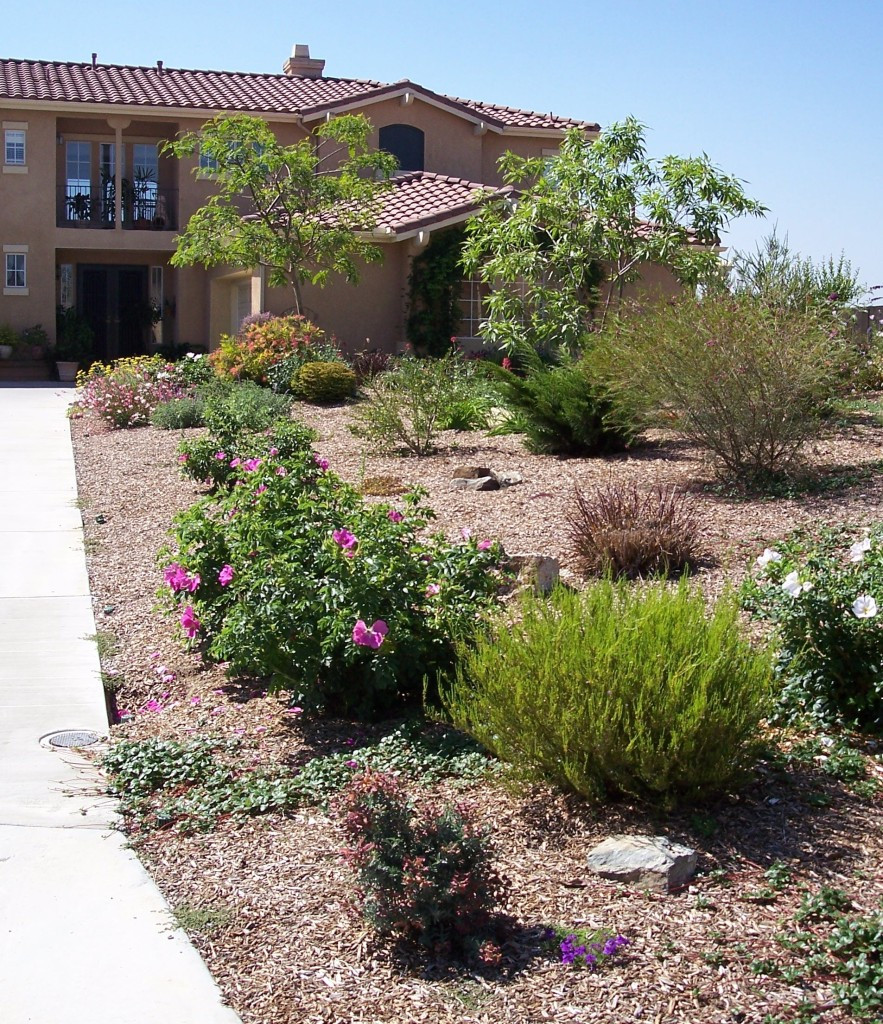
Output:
x,y
799,815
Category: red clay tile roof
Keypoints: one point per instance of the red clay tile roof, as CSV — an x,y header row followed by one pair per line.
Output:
x,y
229,90
419,199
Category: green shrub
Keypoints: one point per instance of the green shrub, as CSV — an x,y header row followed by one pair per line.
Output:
x,y
424,875
821,593
324,382
247,407
749,381
194,369
622,689
562,409
344,601
412,402
178,414
215,460
624,531
263,341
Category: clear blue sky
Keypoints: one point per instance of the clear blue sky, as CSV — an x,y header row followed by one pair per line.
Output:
x,y
785,94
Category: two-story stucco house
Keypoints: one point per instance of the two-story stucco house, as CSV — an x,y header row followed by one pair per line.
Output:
x,y
89,208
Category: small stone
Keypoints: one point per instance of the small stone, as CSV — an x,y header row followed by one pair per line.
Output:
x,y
483,483
109,609
459,483
470,472
101,519
507,479
649,862
539,571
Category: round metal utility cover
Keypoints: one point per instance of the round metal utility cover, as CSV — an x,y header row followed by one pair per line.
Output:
x,y
74,738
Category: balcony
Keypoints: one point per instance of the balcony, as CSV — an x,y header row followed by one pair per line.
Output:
x,y
144,208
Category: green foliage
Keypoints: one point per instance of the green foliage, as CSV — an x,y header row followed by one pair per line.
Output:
x,y
317,571
304,211
748,381
624,531
562,409
270,349
423,874
8,336
204,920
73,336
623,689
194,369
189,785
830,649
412,402
324,382
242,408
178,414
591,205
214,458
434,309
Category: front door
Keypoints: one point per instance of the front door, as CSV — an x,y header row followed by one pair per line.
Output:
x,y
115,303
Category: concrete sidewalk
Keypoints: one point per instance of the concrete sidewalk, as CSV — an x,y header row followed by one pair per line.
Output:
x,y
84,934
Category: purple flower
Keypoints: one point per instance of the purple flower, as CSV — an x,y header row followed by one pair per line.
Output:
x,y
483,545
432,589
221,456
352,764
281,471
190,622
225,576
235,462
177,577
394,516
344,539
250,465
372,636
273,451
320,462
260,489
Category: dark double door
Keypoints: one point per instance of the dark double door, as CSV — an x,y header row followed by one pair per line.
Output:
x,y
115,302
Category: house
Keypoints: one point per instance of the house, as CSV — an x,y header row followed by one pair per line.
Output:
x,y
90,208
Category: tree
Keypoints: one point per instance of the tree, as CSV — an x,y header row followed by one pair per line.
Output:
x,y
597,207
302,211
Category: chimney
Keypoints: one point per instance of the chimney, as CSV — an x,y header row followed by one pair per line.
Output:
x,y
301,65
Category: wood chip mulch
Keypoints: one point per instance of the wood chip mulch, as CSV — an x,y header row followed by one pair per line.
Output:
x,y
285,946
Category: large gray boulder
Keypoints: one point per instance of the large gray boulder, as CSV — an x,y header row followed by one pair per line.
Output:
x,y
647,862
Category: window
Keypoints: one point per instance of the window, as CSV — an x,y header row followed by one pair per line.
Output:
x,y
207,164
405,143
144,185
472,311
15,151
16,271
78,181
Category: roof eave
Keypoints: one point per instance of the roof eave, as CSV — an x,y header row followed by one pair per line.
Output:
x,y
141,109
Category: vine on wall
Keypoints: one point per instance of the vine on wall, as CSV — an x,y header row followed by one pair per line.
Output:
x,y
434,312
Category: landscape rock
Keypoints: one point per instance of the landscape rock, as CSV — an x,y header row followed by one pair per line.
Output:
x,y
538,571
470,472
459,483
648,862
483,483
507,479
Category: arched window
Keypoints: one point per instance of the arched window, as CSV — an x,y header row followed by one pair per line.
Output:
x,y
405,142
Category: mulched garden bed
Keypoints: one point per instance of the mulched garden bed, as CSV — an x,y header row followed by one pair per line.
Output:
x,y
277,930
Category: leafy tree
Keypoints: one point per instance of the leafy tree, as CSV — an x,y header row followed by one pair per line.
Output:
x,y
302,211
597,202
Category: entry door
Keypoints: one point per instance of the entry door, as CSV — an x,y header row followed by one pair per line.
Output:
x,y
114,301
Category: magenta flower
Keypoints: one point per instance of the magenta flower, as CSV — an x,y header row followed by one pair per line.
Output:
x,y
221,456
351,764
183,458
371,636
250,465
189,622
281,471
225,576
177,577
320,462
483,545
344,539
273,451
260,489
235,462
433,589
394,516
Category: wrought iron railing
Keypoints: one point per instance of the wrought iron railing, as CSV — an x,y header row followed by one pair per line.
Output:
x,y
145,207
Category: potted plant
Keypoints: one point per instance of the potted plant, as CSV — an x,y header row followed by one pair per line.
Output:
x,y
73,344
34,342
79,208
8,341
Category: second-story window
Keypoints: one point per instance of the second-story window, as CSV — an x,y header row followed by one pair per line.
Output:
x,y
145,174
78,180
15,148
406,143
